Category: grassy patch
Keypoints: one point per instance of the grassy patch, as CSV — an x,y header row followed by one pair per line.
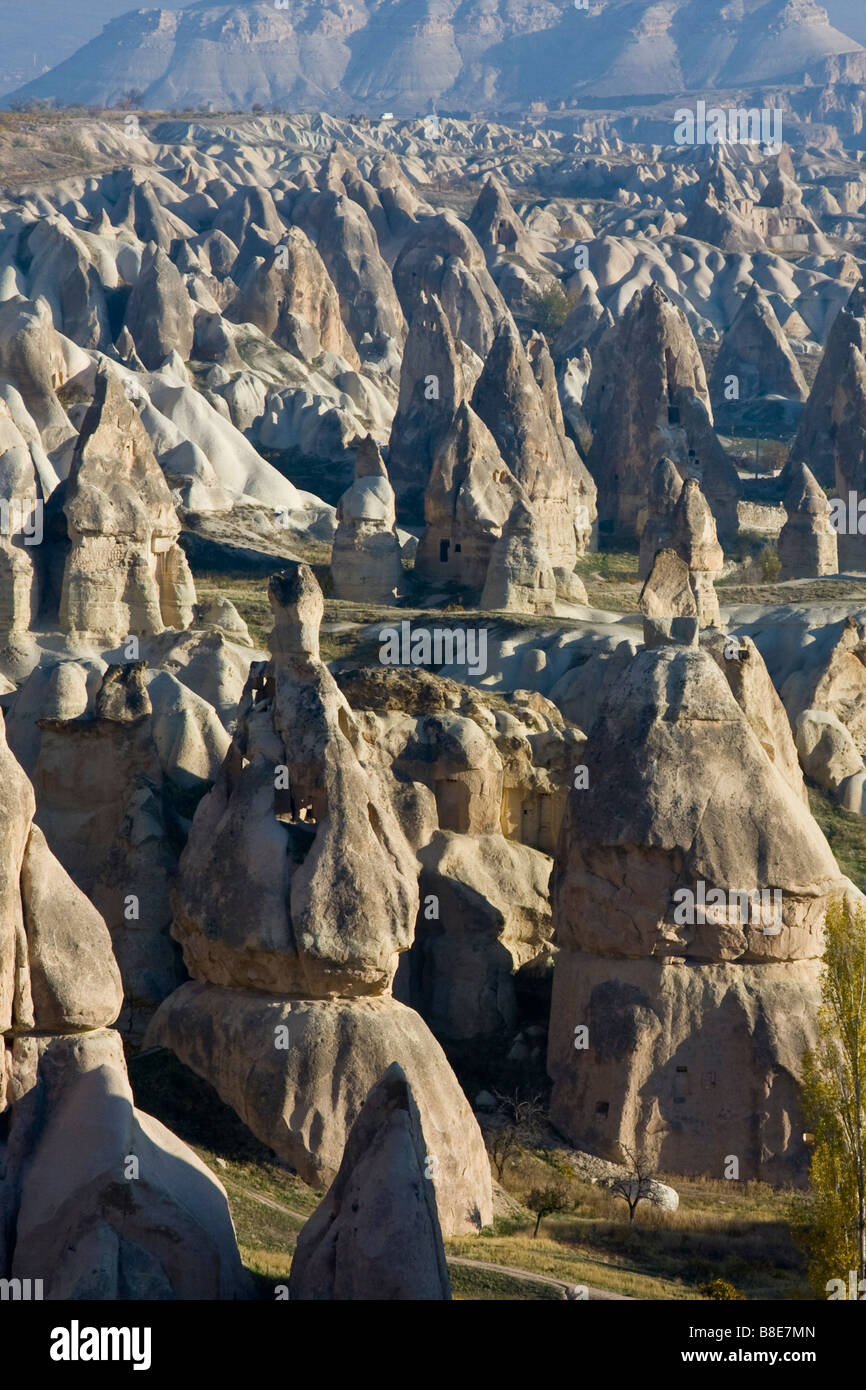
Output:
x,y
486,1285
845,832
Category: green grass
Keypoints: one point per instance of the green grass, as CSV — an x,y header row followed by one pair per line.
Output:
x,y
483,1285
845,831
738,1232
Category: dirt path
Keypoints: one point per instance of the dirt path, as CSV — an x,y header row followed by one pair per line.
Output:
x,y
526,1274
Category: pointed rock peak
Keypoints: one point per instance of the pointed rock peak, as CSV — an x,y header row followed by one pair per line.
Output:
x,y
666,485
802,491
784,162
492,202
376,1234
297,605
722,181
368,460
654,297
694,529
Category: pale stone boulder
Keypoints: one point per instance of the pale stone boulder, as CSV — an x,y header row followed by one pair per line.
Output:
x,y
376,1234
469,497
680,583
511,403
297,1072
301,801
80,1224
492,925
667,592
827,750
834,683
746,673
659,407
99,782
160,314
220,613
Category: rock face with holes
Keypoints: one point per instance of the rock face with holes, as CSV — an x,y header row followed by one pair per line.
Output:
x,y
376,1233
303,821
661,408
699,997
124,572
98,1200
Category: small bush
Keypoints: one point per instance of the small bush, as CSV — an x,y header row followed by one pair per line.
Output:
x,y
720,1289
771,565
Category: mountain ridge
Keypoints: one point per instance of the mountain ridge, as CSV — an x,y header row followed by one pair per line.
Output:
x,y
409,55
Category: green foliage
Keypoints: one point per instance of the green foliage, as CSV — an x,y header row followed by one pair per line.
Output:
x,y
548,1201
771,565
834,1105
552,310
719,1289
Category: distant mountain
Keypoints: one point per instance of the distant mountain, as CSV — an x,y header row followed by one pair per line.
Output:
x,y
353,55
41,33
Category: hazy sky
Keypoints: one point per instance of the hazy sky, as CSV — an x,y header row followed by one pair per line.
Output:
x,y
36,34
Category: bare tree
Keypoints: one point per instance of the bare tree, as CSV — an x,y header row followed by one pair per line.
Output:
x,y
502,1142
636,1182
521,1121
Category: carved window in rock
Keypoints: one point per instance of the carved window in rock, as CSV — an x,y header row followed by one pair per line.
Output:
x,y
443,552
602,1109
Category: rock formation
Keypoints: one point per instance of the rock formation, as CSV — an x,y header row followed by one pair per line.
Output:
x,y
287,282
469,498
666,485
99,1201
757,356
432,386
290,1014
661,407
375,1235
520,577
680,583
510,402
159,314
365,559
698,1016
124,572
838,401
807,543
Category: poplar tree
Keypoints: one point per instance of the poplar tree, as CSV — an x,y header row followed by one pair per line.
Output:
x,y
834,1104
